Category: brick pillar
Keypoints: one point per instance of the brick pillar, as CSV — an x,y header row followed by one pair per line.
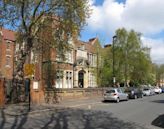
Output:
x,y
2,93
37,92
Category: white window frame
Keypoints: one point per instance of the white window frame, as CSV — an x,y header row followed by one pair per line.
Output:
x,y
69,79
59,79
8,61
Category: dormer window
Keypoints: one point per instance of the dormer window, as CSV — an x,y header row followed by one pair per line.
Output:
x,y
82,47
8,61
8,45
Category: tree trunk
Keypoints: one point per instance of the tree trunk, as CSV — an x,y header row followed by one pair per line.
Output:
x,y
18,89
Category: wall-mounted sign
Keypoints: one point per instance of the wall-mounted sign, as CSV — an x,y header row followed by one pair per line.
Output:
x,y
35,85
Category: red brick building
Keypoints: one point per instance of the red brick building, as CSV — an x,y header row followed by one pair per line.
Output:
x,y
77,70
7,43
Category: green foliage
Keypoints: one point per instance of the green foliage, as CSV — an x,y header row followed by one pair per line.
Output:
x,y
159,69
132,60
106,70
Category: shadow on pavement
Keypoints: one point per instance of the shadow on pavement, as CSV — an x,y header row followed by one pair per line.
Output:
x,y
158,101
159,121
3,119
17,122
66,119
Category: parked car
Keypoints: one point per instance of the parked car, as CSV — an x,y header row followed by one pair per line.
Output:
x,y
162,89
152,91
158,90
115,94
134,92
146,91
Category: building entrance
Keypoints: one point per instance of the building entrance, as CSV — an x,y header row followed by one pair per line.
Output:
x,y
81,78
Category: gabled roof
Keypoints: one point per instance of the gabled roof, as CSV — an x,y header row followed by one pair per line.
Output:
x,y
8,34
89,46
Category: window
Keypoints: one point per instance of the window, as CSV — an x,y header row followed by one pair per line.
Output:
x,y
8,53
59,79
69,79
94,60
90,58
59,55
17,47
69,56
92,80
82,47
7,61
8,45
119,91
110,91
34,57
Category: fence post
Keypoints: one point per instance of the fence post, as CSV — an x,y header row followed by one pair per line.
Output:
x,y
2,92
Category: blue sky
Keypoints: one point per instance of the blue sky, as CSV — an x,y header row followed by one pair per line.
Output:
x,y
145,16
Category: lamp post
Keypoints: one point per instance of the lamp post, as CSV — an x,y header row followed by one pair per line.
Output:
x,y
114,78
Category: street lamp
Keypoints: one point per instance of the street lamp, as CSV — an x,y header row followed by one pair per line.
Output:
x,y
114,78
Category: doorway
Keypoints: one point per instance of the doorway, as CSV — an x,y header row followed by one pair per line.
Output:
x,y
81,78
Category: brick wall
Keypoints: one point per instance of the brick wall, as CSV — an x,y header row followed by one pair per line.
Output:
x,y
2,93
7,43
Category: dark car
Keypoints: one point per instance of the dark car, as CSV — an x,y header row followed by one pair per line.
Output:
x,y
162,89
134,92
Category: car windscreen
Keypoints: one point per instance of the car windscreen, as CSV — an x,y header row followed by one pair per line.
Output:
x,y
145,89
110,91
130,89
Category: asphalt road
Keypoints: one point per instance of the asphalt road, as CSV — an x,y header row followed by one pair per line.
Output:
x,y
147,111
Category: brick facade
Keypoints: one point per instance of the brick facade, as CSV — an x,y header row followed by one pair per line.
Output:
x,y
77,70
7,43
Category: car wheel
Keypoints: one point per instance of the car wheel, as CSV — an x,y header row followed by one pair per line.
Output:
x,y
127,98
135,96
118,100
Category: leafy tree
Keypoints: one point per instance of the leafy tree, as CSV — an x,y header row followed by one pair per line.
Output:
x,y
106,71
39,23
159,73
132,59
132,65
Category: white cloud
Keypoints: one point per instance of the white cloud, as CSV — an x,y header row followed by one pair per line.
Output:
x,y
157,49
106,17
145,16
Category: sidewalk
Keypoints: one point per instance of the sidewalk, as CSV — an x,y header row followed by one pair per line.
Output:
x,y
23,108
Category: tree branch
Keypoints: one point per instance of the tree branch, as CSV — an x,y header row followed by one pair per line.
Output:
x,y
22,15
36,8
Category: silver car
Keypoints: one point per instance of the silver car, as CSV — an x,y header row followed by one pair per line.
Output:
x,y
115,94
146,92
